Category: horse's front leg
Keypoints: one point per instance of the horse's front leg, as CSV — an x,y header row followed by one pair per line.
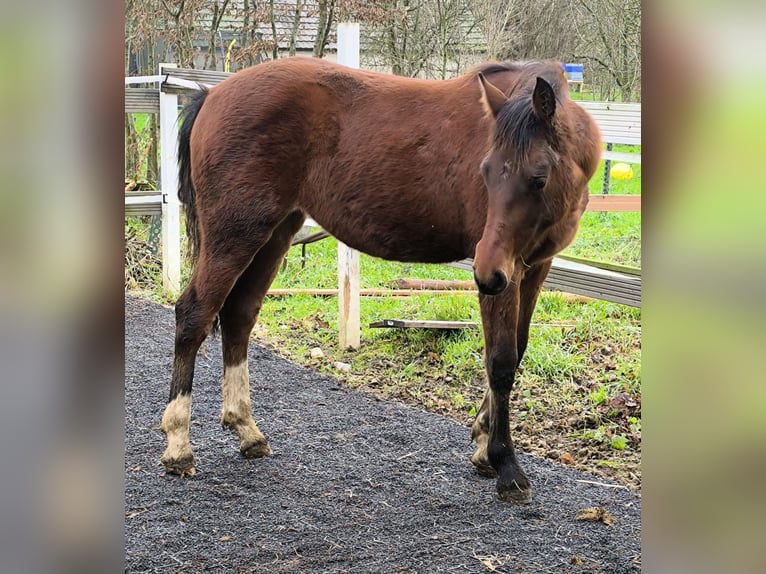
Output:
x,y
500,317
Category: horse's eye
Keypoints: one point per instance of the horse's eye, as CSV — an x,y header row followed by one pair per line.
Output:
x,y
505,170
538,183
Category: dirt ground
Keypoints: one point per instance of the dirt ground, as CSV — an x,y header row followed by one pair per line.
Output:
x,y
355,484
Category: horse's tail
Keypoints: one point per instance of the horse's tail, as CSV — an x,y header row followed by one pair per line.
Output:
x,y
185,188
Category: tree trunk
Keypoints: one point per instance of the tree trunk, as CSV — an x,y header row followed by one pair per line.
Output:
x,y
247,35
296,25
275,47
326,16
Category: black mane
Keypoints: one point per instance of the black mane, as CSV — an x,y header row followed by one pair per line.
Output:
x,y
516,125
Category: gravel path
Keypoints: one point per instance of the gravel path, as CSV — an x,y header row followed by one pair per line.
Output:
x,y
355,484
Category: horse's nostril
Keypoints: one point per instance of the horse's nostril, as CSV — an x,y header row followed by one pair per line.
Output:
x,y
499,281
496,284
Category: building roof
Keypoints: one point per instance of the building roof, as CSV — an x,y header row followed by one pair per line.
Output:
x,y
284,12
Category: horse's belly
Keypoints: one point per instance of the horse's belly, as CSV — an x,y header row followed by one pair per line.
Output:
x,y
410,243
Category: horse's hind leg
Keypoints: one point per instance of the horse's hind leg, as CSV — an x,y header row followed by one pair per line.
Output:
x,y
238,317
224,255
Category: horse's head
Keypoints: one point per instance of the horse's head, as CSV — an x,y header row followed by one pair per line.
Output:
x,y
536,181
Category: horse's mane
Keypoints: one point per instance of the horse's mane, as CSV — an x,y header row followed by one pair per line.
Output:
x,y
517,126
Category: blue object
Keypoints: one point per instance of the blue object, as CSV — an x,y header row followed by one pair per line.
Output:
x,y
573,72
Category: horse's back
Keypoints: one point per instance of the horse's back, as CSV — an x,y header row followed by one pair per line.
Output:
x,y
395,157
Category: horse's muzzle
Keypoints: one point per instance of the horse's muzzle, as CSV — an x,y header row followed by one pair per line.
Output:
x,y
496,284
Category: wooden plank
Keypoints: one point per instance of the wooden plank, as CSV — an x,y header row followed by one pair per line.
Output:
x,y
193,79
612,289
603,295
626,123
130,80
620,137
584,285
614,202
204,76
617,288
142,100
619,122
625,269
580,279
409,324
368,292
143,193
432,284
349,326
611,106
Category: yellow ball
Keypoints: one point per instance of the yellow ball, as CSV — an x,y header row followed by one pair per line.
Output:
x,y
621,171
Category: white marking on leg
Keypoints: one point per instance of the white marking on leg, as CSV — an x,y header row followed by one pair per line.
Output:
x,y
175,424
236,412
236,395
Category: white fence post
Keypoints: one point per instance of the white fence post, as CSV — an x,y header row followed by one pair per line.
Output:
x,y
171,216
348,259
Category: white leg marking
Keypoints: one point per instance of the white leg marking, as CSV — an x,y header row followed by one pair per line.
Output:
x,y
236,395
178,456
236,413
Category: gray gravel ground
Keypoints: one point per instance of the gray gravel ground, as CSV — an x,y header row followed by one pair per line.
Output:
x,y
355,484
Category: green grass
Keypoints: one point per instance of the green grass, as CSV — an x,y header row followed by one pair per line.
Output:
x,y
140,147
555,353
613,237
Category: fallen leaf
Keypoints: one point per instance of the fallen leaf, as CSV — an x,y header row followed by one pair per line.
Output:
x,y
566,458
577,561
624,403
596,514
225,538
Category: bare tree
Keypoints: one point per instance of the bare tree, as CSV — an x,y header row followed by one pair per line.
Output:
x,y
218,13
428,38
494,19
178,31
273,20
295,26
253,46
537,29
326,15
610,41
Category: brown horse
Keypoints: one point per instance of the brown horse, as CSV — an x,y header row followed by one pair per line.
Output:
x,y
492,165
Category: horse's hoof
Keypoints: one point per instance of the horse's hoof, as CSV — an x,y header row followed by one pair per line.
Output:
x,y
256,449
514,493
182,466
483,467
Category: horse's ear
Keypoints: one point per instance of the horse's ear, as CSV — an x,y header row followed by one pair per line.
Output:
x,y
492,98
543,100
